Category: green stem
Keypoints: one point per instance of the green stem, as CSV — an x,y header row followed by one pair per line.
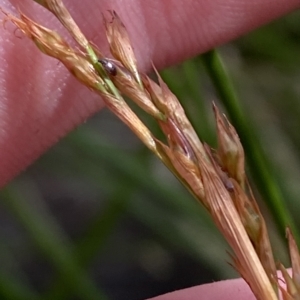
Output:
x,y
14,283
12,289
95,237
48,237
257,159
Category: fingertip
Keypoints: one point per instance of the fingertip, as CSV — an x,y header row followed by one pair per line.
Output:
x,y
235,289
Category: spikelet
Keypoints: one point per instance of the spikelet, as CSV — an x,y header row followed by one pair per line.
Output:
x,y
120,45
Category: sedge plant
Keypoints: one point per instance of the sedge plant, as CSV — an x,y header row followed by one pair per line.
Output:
x,y
215,177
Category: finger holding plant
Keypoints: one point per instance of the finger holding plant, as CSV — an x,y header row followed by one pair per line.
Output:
x,y
215,177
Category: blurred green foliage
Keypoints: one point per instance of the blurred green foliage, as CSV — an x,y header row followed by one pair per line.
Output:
x,y
69,213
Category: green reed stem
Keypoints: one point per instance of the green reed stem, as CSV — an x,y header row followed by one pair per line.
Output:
x,y
95,237
49,238
12,289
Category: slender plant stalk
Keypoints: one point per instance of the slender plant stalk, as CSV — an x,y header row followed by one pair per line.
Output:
x,y
257,159
12,289
46,234
94,238
14,282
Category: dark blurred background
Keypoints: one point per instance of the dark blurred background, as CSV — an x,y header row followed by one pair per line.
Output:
x,y
98,217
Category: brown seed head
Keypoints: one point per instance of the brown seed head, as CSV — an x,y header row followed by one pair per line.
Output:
x,y
229,223
59,10
120,108
52,44
290,291
295,259
169,105
120,46
256,228
230,150
125,82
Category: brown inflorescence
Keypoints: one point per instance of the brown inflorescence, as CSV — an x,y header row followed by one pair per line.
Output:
x,y
215,177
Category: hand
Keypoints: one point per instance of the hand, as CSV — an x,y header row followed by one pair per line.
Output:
x,y
235,289
40,101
